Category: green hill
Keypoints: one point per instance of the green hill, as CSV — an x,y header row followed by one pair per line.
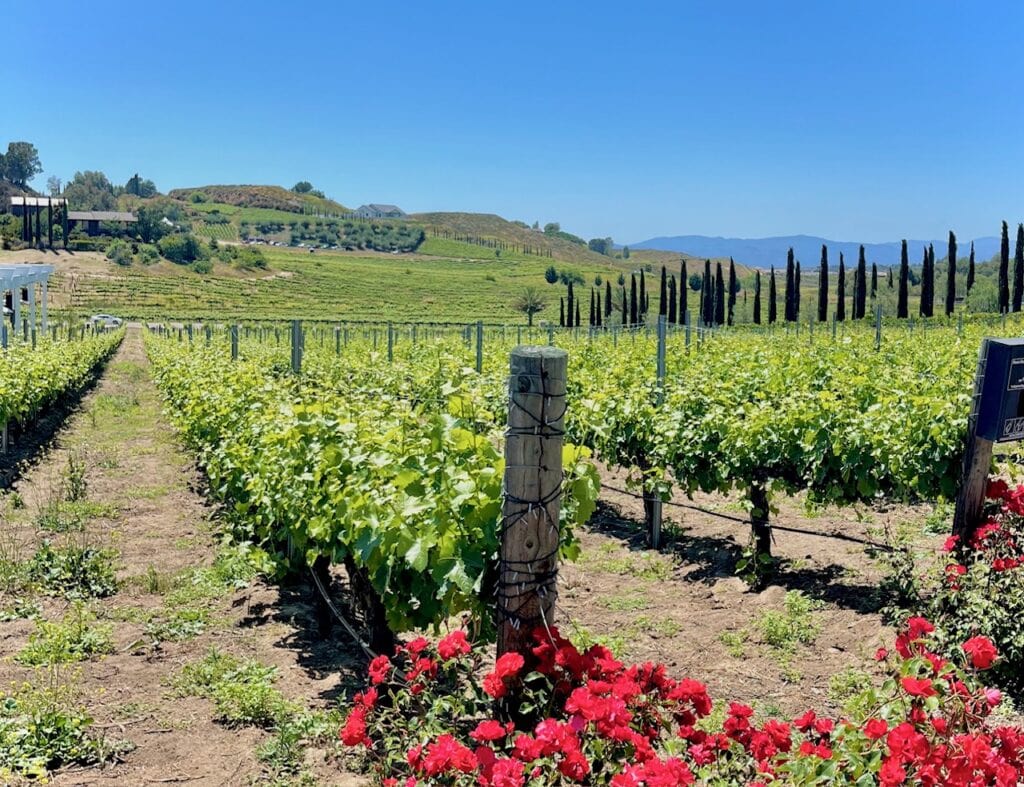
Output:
x,y
269,197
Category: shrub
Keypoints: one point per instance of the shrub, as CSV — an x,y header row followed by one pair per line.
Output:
x,y
979,588
73,571
202,267
180,248
585,717
119,253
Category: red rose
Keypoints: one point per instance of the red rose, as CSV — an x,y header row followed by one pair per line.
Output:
x,y
876,728
918,687
453,646
379,669
489,730
354,731
982,652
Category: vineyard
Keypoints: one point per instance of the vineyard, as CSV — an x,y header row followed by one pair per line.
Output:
x,y
360,482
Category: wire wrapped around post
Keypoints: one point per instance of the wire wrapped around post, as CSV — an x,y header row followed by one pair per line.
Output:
x,y
528,564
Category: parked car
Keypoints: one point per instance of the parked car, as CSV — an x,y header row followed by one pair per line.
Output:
x,y
105,320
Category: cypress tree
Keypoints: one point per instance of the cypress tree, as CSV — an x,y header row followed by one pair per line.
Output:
x,y
951,274
790,306
890,277
1004,270
860,287
684,285
757,298
593,314
841,290
577,313
731,297
823,286
39,228
926,279
672,299
632,299
607,301
707,297
561,312
772,308
719,295
597,311
64,223
663,299
568,313
1018,269
49,222
901,301
796,294
874,280
625,311
643,297
970,269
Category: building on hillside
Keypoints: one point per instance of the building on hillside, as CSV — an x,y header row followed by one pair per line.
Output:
x,y
375,211
92,218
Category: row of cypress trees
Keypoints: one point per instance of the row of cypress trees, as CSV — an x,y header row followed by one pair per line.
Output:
x,y
718,300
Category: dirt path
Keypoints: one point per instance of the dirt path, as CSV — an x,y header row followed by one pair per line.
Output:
x,y
137,495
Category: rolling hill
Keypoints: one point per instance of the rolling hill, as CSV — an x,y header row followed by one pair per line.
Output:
x,y
268,197
764,252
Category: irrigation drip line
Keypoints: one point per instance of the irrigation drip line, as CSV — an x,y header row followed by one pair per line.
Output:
x,y
772,525
341,618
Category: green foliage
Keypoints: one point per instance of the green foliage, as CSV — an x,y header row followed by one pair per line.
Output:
x,y
180,248
21,163
119,253
90,190
73,571
202,267
43,727
792,626
76,637
242,692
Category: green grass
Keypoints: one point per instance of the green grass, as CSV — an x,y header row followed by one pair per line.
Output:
x,y
76,637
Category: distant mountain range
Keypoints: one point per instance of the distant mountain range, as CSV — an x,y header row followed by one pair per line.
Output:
x,y
765,252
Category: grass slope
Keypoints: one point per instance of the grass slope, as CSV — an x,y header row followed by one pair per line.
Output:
x,y
273,197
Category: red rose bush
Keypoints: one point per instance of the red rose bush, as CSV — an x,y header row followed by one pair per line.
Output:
x,y
559,716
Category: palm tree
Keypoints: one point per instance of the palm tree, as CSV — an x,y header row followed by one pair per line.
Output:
x,y
530,302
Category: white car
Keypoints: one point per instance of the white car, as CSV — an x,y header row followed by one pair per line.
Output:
x,y
106,320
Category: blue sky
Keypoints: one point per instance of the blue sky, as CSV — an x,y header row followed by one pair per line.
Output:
x,y
856,121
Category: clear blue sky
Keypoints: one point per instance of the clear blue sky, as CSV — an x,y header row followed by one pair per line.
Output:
x,y
865,121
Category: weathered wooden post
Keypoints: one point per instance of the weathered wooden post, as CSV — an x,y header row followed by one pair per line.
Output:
x,y
528,568
653,499
878,327
391,343
479,346
234,342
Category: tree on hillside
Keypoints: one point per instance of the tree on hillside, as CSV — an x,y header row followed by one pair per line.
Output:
x,y
796,292
597,312
719,295
1004,270
683,279
951,274
633,308
823,285
733,289
790,287
561,312
1018,269
663,300
53,184
970,269
530,302
576,323
860,286
20,164
607,301
601,245
625,252
927,285
551,274
841,290
593,312
672,299
757,298
302,187
140,187
90,190
874,280
889,275
625,311
901,300
772,308
707,297
569,305
643,296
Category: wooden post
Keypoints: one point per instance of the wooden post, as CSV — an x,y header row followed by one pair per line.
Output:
x,y
234,342
391,343
878,327
479,346
654,533
296,346
528,572
970,499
